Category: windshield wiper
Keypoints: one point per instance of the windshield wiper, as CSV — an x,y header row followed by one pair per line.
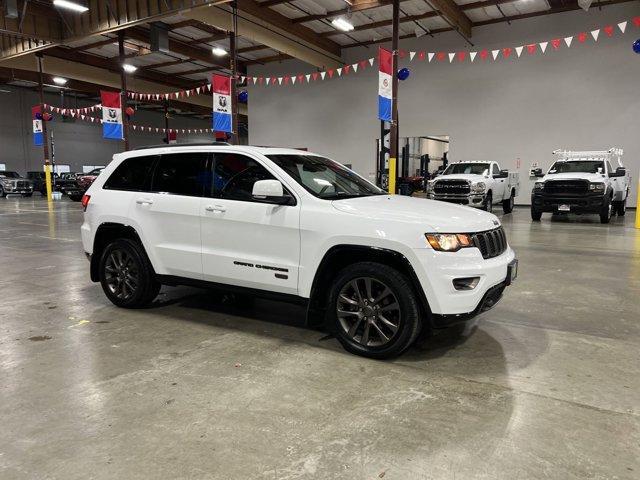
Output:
x,y
342,195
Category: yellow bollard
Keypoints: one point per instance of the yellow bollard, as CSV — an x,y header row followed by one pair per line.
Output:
x,y
638,205
47,176
392,176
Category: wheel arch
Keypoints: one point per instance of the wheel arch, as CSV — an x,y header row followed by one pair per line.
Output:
x,y
340,256
105,234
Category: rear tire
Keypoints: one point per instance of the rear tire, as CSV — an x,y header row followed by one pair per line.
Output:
x,y
374,310
536,215
606,211
126,275
488,203
507,205
621,208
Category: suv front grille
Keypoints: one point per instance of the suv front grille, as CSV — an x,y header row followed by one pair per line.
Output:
x,y
490,243
566,187
455,187
21,184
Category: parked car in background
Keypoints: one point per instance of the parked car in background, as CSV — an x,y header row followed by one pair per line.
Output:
x,y
12,183
374,269
582,182
83,182
67,181
476,184
39,181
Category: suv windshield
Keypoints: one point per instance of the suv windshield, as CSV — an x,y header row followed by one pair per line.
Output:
x,y
467,168
583,166
9,174
325,178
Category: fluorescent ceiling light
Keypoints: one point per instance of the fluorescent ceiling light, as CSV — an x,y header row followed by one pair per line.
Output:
x,y
218,52
127,67
59,81
341,24
69,5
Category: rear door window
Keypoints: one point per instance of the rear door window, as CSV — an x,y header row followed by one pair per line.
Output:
x,y
181,174
133,174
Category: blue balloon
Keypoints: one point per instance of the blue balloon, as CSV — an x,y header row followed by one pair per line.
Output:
x,y
243,96
636,46
38,116
403,73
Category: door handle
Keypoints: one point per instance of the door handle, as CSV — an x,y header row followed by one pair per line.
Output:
x,y
215,208
142,201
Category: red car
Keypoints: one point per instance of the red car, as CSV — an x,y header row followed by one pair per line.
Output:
x,y
82,184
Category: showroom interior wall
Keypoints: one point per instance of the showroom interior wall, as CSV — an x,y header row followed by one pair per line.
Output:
x,y
587,97
76,143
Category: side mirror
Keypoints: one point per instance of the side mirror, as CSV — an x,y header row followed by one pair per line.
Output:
x,y
504,174
620,172
270,191
537,172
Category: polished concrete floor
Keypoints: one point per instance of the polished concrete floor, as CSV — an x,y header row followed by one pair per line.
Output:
x,y
546,386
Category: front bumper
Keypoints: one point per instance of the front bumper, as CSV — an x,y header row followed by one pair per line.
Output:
x,y
436,272
588,203
472,200
15,190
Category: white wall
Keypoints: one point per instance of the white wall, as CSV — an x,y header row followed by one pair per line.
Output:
x,y
587,97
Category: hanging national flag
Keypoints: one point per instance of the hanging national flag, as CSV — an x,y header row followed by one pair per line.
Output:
x,y
37,126
385,88
111,115
222,103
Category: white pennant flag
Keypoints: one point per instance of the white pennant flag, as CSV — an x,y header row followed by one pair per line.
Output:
x,y
431,55
242,79
293,79
268,80
495,53
622,26
279,80
568,41
411,55
339,70
371,60
209,87
543,46
354,66
198,90
255,80
134,127
451,57
82,117
519,51
188,92
308,77
595,34
166,96
472,55
177,94
322,74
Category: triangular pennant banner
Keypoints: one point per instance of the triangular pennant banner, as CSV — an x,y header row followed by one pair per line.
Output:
x,y
472,56
556,43
355,67
371,60
462,56
451,57
543,46
431,55
495,53
622,26
519,51
484,54
506,52
279,80
322,75
339,70
582,37
268,80
411,55
568,41
293,80
636,21
331,71
595,34
346,69
308,76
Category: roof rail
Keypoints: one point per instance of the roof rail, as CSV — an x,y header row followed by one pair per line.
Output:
x,y
590,154
172,145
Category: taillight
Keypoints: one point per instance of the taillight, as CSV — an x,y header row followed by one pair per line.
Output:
x,y
85,202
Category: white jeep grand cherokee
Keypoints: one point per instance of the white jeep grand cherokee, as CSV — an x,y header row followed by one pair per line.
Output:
x,y
374,269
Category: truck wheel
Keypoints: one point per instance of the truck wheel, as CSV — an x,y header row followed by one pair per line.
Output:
x,y
507,205
621,208
126,275
606,211
536,215
374,310
488,203
3,194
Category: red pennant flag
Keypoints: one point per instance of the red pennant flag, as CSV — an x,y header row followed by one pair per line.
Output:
x,y
462,56
608,30
441,56
286,80
260,80
556,43
531,48
273,80
314,75
346,69
484,54
506,52
330,72
422,55
582,37
300,78
363,63
402,53
636,21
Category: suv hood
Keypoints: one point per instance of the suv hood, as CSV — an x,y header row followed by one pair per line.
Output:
x,y
431,215
462,176
592,177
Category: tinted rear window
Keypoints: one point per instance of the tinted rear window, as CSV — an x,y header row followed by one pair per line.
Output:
x,y
181,174
133,174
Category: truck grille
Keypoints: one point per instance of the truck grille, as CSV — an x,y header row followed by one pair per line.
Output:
x,y
22,184
490,243
566,187
455,187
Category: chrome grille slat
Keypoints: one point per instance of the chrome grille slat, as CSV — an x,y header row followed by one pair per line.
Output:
x,y
566,187
491,243
454,187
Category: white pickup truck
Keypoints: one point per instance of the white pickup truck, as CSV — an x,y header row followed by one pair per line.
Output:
x,y
582,182
476,184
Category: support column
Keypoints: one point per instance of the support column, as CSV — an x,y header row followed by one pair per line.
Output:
x,y
234,74
393,156
45,139
123,91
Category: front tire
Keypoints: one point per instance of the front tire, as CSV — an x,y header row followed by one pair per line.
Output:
x,y
374,310
126,275
607,211
621,208
536,215
507,205
488,203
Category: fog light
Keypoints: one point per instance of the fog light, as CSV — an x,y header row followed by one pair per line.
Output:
x,y
468,283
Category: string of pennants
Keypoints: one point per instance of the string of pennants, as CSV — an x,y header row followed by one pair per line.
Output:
x,y
73,112
171,95
460,56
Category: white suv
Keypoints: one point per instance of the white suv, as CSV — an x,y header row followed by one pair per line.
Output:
x,y
372,268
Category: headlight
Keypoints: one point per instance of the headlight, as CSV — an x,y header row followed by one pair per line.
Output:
x,y
448,242
538,186
429,187
478,187
598,187
5,182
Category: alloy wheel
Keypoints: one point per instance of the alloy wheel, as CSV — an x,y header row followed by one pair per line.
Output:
x,y
368,311
121,274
